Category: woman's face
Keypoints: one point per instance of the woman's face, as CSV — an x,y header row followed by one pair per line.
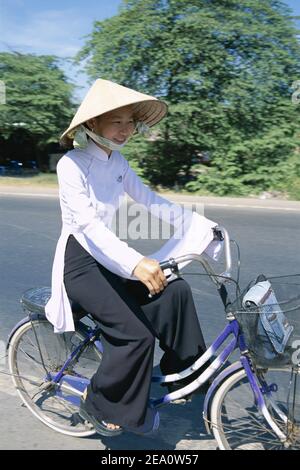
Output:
x,y
116,126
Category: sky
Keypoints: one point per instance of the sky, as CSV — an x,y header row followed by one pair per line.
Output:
x,y
59,27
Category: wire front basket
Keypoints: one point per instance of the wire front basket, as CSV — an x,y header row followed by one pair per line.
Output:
x,y
268,312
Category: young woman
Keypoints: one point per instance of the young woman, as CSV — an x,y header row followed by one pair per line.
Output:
x,y
112,281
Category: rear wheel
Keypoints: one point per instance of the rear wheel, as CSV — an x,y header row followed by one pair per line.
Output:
x,y
237,422
35,353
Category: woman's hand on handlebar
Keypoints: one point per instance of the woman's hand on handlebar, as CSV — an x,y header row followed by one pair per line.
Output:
x,y
149,272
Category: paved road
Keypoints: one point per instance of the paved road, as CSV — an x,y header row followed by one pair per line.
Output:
x,y
29,227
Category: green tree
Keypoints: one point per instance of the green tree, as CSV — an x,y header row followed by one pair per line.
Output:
x,y
38,98
225,68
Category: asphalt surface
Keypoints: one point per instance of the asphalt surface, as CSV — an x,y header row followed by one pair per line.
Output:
x,y
268,236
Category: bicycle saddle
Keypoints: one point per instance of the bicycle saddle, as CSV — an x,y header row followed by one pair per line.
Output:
x,y
36,298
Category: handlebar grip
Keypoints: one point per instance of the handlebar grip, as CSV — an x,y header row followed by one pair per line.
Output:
x,y
170,264
218,235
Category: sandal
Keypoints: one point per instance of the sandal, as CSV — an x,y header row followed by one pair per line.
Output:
x,y
101,427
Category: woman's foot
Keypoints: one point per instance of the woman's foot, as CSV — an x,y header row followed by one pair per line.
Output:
x,y
114,427
102,427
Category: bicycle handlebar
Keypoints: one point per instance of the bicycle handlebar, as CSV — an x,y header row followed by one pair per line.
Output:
x,y
221,234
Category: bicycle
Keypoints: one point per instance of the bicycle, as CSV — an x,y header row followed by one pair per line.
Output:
x,y
252,403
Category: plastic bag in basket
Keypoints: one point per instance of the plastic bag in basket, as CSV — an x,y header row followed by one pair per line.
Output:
x,y
273,327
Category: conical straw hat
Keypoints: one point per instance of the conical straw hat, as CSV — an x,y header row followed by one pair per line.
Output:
x,y
105,96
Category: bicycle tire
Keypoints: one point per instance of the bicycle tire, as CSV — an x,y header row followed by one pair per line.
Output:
x,y
28,373
237,423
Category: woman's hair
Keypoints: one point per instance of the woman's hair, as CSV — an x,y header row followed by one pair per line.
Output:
x,y
66,143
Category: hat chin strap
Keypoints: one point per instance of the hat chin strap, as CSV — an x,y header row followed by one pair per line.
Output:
x,y
105,142
80,139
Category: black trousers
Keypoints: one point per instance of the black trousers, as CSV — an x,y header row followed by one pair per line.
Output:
x,y
130,321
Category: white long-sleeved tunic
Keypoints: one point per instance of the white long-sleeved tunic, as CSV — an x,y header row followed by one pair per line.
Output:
x,y
91,188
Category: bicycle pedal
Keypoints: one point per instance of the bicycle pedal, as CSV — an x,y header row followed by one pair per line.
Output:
x,y
47,386
181,401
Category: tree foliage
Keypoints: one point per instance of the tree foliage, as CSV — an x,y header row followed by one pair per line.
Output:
x,y
226,69
38,97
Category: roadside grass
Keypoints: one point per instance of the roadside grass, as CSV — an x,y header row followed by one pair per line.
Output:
x,y
42,179
49,180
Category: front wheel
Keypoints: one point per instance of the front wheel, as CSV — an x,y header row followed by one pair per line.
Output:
x,y
36,352
237,422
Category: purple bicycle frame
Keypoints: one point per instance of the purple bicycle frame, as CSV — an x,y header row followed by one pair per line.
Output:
x,y
76,384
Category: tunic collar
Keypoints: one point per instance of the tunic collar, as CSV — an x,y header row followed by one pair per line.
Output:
x,y
97,152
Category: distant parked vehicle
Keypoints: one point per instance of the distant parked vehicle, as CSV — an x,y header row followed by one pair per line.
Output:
x,y
14,168
30,168
17,168
32,164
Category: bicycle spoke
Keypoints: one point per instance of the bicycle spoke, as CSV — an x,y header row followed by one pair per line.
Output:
x,y
238,430
31,343
243,438
256,425
29,356
238,422
254,415
27,363
62,403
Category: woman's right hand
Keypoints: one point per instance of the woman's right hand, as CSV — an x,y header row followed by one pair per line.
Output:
x,y
149,272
